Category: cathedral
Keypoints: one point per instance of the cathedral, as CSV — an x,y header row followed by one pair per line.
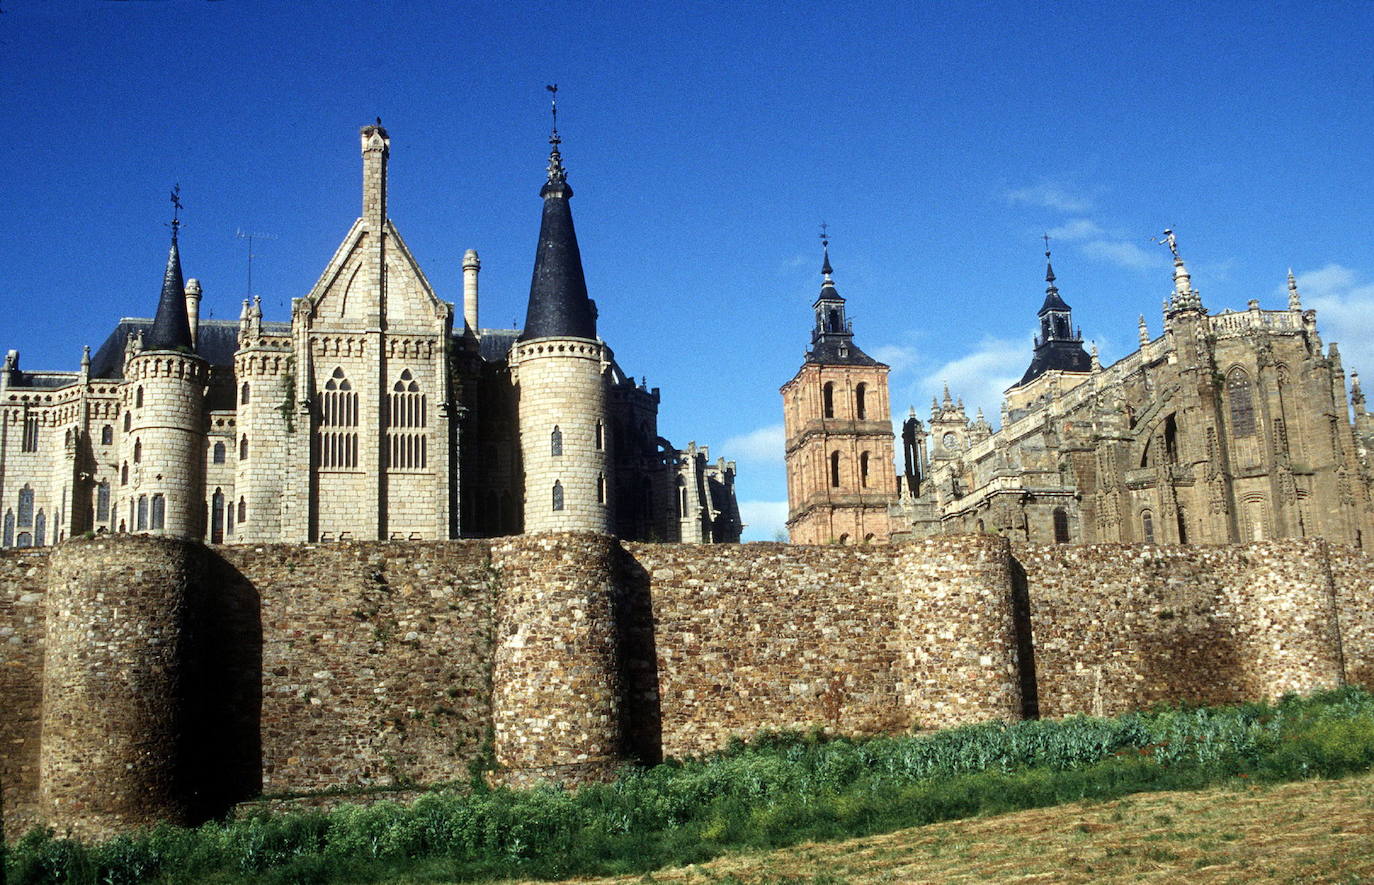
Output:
x,y
1228,427
375,413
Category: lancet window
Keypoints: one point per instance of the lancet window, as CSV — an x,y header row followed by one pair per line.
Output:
x,y
30,441
338,438
159,511
26,506
407,410
102,502
1241,397
557,495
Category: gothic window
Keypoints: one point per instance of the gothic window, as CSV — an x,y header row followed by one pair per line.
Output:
x,y
243,447
229,517
681,497
26,506
1254,516
138,450
835,470
243,511
217,517
25,540
141,524
128,421
860,404
1241,397
9,528
102,502
556,441
338,442
601,488
863,469
30,441
107,435
124,474
1061,525
600,436
243,394
1171,439
828,399
407,442
138,397
557,495
40,529
218,453
1147,526
159,511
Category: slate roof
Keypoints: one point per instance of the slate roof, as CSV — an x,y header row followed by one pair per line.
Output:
x,y
218,341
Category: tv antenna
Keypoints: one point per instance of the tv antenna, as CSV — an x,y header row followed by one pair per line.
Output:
x,y
241,234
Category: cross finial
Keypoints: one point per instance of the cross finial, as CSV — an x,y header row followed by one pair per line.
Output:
x,y
825,234
557,174
1046,238
176,210
553,109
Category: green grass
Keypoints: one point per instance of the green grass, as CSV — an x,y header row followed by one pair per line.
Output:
x,y
775,791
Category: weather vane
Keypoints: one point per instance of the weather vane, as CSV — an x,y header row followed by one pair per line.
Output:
x,y
176,209
1046,238
825,234
1168,240
553,106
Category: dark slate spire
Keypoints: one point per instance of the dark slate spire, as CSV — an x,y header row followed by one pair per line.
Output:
x,y
558,305
1059,346
171,329
832,338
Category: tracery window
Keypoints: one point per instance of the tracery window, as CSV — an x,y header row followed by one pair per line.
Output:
x,y
1147,526
407,442
556,441
557,495
141,523
1241,397
102,502
217,517
338,413
218,453
159,511
26,506
40,529
30,441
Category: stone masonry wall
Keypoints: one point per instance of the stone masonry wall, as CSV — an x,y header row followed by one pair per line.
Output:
x,y
1352,572
23,592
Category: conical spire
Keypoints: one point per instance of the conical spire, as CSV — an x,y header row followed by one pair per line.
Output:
x,y
1294,299
558,304
1052,299
171,329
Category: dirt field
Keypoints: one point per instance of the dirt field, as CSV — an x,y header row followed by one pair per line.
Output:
x,y
1305,832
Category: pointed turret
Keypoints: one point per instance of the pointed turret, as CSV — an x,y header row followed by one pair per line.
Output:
x,y
558,306
1143,331
1058,346
832,337
1294,299
170,329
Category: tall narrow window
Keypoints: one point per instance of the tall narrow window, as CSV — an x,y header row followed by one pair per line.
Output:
x,y
102,502
556,441
1238,392
863,469
40,529
159,511
681,497
243,511
600,436
138,397
26,506
407,442
138,451
1171,439
1147,526
860,401
835,469
218,453
601,488
243,394
124,473
217,517
828,399
128,421
141,524
243,448
1182,527
557,495
30,441
1061,525
338,440
9,528
107,435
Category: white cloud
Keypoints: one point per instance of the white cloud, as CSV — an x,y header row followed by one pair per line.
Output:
x,y
1345,313
1049,196
767,444
1075,229
898,356
979,376
764,520
1123,254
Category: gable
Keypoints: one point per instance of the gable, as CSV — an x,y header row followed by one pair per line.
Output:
x,y
348,292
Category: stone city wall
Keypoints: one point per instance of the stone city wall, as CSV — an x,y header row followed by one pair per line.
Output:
x,y
23,592
1353,575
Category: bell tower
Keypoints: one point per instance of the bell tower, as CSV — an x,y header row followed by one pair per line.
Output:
x,y
837,419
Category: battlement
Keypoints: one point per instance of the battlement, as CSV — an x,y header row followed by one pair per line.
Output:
x,y
152,678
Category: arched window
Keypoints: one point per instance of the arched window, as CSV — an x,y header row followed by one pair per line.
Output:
x,y
868,538
30,441
243,511
141,524
1171,439
844,540
25,540
557,495
107,435
138,397
102,502
124,473
159,511
128,421
1241,398
243,394
1182,527
863,469
835,470
556,441
681,497
1061,525
600,436
217,517
338,443
218,453
138,451
601,488
828,399
26,506
407,442
860,401
1147,526
980,526
243,447
9,528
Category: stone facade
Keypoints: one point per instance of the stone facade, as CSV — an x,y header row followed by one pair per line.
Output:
x,y
151,678
1228,427
367,416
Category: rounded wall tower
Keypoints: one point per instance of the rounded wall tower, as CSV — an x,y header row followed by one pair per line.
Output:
x,y
164,397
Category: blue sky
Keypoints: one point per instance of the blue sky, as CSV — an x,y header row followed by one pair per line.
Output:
x,y
706,142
